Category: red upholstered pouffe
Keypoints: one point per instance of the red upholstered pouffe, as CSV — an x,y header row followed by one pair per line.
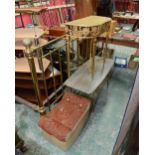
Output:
x,y
64,123
52,127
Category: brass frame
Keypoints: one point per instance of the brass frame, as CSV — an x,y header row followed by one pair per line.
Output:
x,y
38,51
30,58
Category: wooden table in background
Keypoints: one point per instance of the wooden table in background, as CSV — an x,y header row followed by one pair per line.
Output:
x,y
31,33
30,10
19,44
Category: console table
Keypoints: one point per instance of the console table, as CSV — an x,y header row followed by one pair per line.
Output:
x,y
87,29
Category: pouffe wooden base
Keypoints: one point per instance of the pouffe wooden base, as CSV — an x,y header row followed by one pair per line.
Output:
x,y
63,124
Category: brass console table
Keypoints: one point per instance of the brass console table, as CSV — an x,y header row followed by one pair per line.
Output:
x,y
87,29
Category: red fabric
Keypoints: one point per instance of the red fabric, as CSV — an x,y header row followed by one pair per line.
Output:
x,y
133,7
60,2
130,36
70,109
52,2
123,5
54,128
62,119
26,20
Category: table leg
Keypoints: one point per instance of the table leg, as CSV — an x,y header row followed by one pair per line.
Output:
x,y
78,52
93,56
105,50
68,55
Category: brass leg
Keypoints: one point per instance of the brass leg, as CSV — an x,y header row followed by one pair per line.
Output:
x,y
43,76
87,48
35,82
78,52
60,65
90,56
93,55
91,59
106,47
53,76
68,55
30,58
102,48
41,66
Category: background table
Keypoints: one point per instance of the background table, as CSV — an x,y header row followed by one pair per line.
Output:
x,y
31,33
19,44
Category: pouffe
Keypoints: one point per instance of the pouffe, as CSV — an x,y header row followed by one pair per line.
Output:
x,y
64,123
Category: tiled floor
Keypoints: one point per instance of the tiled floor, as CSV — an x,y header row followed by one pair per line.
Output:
x,y
100,133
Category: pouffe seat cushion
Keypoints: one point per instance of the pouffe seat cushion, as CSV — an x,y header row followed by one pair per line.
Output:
x,y
63,124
